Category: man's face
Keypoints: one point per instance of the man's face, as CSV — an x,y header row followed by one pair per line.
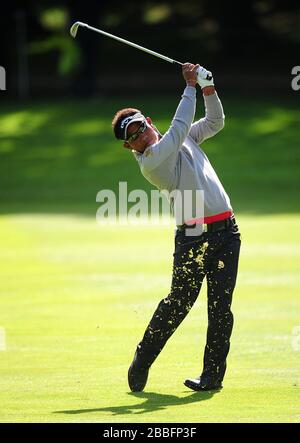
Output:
x,y
144,139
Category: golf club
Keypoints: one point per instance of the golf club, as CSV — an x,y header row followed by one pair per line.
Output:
x,y
74,28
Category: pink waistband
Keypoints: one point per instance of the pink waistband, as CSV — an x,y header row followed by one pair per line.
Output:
x,y
210,219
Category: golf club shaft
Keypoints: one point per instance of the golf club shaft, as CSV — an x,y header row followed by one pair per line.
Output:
x,y
156,54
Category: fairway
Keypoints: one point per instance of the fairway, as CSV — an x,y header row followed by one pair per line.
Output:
x,y
76,298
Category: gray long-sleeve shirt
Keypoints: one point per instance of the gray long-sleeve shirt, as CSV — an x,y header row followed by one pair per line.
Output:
x,y
176,162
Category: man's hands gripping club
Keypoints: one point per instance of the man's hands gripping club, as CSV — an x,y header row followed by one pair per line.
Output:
x,y
194,74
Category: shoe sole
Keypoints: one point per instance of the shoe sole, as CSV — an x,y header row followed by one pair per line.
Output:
x,y
199,388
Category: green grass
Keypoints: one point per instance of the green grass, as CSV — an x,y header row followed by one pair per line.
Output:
x,y
76,296
76,299
55,157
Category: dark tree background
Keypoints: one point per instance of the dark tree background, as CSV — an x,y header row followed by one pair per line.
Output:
x,y
251,45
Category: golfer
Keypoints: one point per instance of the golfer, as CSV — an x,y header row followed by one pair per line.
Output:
x,y
204,246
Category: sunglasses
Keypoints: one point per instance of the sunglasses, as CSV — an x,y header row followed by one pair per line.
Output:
x,y
136,134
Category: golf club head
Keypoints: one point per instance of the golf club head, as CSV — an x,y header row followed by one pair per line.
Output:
x,y
74,28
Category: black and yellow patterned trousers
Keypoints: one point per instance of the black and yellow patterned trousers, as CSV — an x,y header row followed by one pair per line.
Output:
x,y
211,254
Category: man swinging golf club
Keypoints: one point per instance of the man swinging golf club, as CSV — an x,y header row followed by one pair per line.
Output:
x,y
175,161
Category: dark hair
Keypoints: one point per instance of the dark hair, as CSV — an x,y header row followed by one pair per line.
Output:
x,y
120,115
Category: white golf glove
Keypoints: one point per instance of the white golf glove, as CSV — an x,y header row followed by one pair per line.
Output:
x,y
203,74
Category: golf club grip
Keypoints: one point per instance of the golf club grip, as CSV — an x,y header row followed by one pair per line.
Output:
x,y
207,77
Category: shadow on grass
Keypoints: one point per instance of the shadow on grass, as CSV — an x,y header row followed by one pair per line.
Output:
x,y
154,402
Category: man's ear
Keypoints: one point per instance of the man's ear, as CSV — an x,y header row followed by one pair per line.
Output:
x,y
149,120
127,145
